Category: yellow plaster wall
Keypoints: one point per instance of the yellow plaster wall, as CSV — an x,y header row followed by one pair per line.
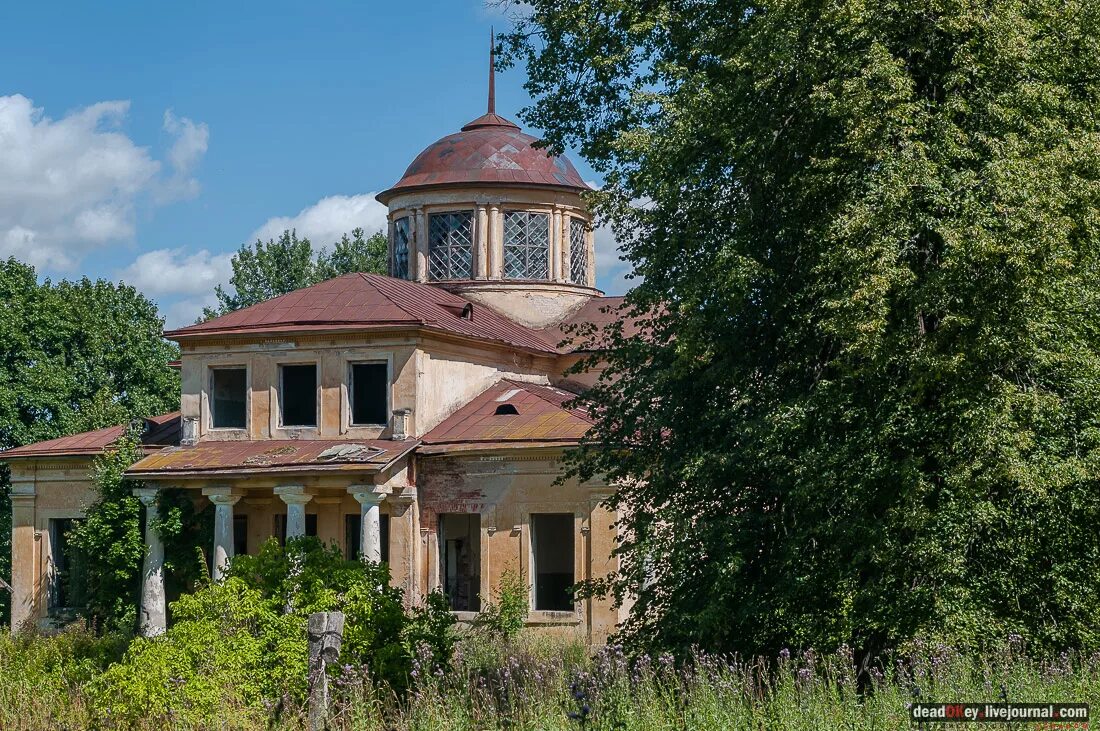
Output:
x,y
505,490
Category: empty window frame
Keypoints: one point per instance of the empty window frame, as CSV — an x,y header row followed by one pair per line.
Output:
x,y
298,394
280,526
460,560
62,591
401,235
552,553
450,245
240,534
353,525
526,245
578,251
228,397
369,392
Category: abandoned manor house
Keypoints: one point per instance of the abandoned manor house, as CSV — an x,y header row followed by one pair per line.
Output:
x,y
418,418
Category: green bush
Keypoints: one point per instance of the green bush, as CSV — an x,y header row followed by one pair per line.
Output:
x,y
506,614
237,649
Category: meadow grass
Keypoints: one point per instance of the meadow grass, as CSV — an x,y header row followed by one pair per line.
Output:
x,y
536,683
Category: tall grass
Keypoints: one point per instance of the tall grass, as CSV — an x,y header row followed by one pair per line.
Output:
x,y
534,683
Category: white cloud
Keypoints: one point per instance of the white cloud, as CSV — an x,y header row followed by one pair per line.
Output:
x,y
328,219
611,269
175,272
192,140
71,185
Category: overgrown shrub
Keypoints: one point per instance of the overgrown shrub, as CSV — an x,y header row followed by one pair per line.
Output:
x,y
237,650
506,614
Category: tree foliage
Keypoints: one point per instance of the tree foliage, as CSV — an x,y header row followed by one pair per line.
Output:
x,y
266,270
74,356
864,404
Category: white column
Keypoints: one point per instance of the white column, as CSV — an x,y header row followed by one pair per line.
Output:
x,y
223,500
369,498
153,618
295,497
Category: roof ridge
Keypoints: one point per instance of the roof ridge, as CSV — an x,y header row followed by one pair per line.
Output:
x,y
581,413
368,277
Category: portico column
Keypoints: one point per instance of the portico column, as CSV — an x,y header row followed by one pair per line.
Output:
x,y
224,500
369,498
24,557
153,618
295,497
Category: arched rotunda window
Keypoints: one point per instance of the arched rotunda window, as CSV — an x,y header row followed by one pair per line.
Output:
x,y
450,245
578,251
401,248
526,245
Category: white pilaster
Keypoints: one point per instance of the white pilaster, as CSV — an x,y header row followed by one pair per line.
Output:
x,y
295,497
496,242
369,498
153,617
481,257
555,246
420,235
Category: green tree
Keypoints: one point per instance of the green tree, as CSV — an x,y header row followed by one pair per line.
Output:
x,y
282,265
865,402
109,545
74,356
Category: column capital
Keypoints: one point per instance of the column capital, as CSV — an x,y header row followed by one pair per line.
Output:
x,y
293,494
369,494
147,495
223,495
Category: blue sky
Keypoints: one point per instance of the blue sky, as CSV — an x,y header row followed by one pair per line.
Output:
x,y
147,141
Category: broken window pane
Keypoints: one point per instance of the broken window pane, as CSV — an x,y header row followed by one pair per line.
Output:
x,y
228,395
401,248
370,385
62,589
552,545
460,560
298,395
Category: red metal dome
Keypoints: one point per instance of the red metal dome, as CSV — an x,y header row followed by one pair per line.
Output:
x,y
490,150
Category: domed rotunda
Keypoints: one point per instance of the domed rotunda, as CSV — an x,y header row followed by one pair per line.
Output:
x,y
486,214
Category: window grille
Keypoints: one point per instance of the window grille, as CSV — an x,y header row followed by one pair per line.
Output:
x,y
401,248
526,245
450,245
578,251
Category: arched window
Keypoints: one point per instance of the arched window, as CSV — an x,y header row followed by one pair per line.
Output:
x,y
450,245
578,251
526,245
401,248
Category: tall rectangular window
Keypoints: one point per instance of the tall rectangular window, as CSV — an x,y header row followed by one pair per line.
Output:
x,y
369,391
240,534
552,546
460,560
526,245
228,396
298,394
353,524
451,245
401,232
578,251
62,593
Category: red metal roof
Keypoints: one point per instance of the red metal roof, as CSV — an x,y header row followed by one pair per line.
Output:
x,y
541,416
366,301
583,330
272,455
161,431
490,149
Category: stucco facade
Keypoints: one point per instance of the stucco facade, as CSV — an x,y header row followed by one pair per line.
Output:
x,y
418,418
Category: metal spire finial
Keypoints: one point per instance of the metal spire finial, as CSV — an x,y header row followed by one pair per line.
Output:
x,y
492,72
